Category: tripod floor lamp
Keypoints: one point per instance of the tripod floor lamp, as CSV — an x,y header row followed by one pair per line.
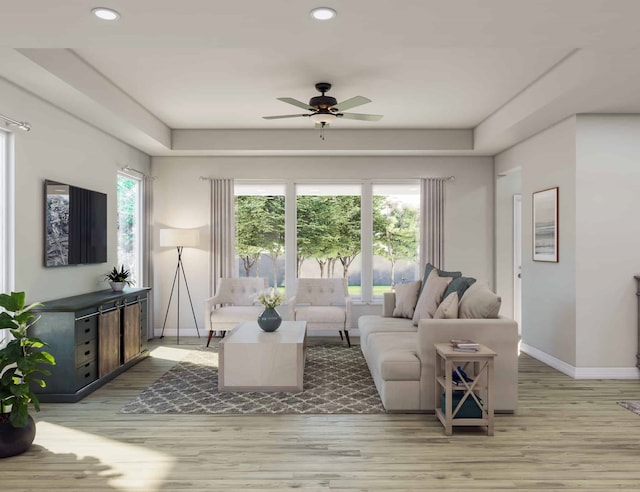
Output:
x,y
179,238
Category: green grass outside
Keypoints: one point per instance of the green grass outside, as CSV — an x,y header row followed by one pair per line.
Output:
x,y
378,290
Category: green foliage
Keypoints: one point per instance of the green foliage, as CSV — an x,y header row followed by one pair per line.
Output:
x,y
394,232
20,360
118,276
328,230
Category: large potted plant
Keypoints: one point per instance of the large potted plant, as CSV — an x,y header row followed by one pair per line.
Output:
x,y
21,362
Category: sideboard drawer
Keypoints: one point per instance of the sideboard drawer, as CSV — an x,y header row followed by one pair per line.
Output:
x,y
86,329
86,352
87,373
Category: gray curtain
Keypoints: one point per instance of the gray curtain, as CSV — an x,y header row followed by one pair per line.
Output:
x,y
222,231
432,215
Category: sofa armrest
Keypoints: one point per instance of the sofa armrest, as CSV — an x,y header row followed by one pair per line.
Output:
x,y
292,308
209,304
499,334
389,304
348,302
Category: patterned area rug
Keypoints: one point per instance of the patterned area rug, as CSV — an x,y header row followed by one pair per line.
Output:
x,y
336,380
634,406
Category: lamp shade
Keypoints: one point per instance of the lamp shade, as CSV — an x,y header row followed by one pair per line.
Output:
x,y
179,237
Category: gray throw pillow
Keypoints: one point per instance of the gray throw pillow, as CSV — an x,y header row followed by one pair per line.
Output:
x,y
430,297
479,302
459,285
428,268
406,299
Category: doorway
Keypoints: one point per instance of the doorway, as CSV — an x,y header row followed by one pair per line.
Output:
x,y
517,260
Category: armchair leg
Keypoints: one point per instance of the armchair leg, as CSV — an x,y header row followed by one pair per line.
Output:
x,y
209,338
346,333
341,337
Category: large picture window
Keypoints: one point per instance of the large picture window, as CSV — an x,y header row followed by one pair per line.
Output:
x,y
396,234
6,221
130,231
364,232
328,232
260,231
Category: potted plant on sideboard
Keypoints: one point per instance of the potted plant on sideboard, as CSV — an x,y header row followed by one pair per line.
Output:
x,y
118,279
20,367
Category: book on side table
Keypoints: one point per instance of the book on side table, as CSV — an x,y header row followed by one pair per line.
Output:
x,y
461,345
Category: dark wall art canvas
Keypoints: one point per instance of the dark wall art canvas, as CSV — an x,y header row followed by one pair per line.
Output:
x,y
57,224
75,225
545,225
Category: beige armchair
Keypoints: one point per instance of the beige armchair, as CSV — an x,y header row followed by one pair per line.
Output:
x,y
323,303
233,303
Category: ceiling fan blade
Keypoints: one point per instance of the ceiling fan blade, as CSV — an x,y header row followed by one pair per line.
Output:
x,y
295,102
359,116
283,116
351,103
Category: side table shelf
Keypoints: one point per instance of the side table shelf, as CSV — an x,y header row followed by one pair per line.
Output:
x,y
480,365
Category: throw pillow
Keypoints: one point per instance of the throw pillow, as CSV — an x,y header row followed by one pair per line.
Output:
x,y
479,302
430,297
459,285
428,268
448,308
406,299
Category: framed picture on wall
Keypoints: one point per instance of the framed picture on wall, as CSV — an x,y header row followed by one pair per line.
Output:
x,y
545,225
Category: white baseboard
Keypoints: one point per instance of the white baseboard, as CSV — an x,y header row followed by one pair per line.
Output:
x,y
581,372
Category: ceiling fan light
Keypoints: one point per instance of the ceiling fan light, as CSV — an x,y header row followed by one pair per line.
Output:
x,y
322,117
323,13
105,13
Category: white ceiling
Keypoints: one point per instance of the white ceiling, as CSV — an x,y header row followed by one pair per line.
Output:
x,y
426,64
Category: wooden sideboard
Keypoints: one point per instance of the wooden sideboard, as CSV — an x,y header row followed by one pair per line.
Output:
x,y
94,337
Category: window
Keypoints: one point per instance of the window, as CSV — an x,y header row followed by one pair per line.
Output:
x,y
130,231
396,234
328,232
366,232
6,222
260,231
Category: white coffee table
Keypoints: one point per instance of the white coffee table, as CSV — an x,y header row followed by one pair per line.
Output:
x,y
253,360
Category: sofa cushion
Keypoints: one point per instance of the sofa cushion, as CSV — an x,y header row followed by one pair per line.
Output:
x,y
431,296
406,299
448,308
395,357
459,285
428,268
235,314
321,314
479,301
370,324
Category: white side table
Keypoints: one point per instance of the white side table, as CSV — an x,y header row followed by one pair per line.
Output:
x,y
479,367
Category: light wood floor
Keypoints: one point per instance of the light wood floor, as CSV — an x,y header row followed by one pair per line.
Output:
x,y
566,435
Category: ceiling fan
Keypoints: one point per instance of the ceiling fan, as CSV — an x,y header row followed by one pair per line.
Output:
x,y
325,109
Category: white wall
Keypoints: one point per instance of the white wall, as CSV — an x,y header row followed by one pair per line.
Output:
x,y
62,148
607,239
548,289
181,199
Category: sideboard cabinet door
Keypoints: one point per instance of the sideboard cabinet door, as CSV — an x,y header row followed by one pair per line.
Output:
x,y
131,342
108,342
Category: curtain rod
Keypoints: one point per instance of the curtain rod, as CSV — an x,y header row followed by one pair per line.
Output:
x,y
443,178
128,168
23,125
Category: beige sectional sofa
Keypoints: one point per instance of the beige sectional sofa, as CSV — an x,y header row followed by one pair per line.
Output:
x,y
401,356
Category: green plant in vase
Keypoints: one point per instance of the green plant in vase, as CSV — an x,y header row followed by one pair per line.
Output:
x,y
118,278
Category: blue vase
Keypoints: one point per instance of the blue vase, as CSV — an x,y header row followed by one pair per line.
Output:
x,y
269,320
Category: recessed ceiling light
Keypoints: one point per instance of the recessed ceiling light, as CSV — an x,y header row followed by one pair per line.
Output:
x,y
105,13
323,13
